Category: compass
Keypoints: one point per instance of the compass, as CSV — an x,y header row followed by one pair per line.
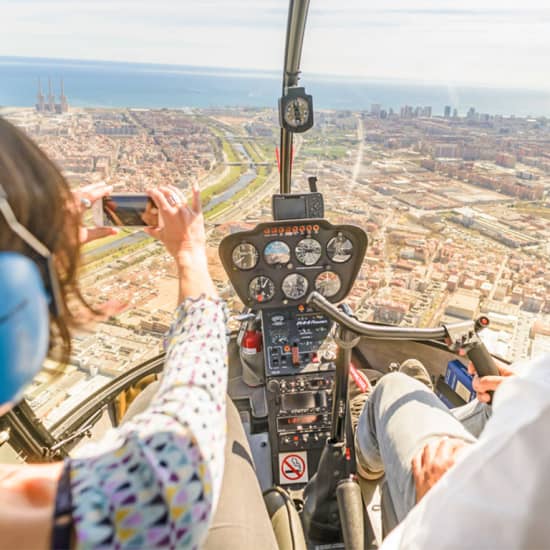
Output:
x,y
296,110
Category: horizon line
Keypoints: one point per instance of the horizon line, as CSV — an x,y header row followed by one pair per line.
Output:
x,y
272,73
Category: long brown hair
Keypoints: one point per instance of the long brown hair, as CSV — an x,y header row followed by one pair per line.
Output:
x,y
39,197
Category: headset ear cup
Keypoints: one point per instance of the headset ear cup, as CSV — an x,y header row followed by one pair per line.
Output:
x,y
24,324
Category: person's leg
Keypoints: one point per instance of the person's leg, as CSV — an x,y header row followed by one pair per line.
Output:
x,y
400,417
473,416
241,520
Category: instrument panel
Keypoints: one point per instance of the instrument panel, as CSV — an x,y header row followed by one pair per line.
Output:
x,y
278,264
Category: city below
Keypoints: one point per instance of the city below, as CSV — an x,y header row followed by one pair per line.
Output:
x,y
455,207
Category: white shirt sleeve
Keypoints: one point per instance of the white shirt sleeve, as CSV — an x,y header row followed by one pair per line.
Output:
x,y
498,494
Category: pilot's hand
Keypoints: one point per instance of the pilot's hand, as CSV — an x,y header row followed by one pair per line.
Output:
x,y
482,386
183,235
83,199
433,460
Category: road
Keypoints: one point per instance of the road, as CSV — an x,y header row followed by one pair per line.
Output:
x,y
359,159
499,276
240,209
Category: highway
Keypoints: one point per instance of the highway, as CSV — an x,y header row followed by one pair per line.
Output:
x,y
499,275
359,159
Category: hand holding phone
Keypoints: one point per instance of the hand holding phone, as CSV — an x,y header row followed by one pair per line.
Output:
x,y
126,210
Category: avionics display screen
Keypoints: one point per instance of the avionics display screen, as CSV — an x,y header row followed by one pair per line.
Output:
x,y
293,208
292,421
304,400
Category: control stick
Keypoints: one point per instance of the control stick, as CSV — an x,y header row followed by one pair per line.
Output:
x,y
459,337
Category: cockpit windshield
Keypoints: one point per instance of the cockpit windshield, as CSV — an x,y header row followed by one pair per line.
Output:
x,y
431,132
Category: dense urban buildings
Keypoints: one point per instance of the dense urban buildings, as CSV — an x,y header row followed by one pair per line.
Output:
x,y
456,209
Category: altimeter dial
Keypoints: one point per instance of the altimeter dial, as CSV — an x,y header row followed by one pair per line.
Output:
x,y
308,251
328,284
245,256
261,289
294,286
340,248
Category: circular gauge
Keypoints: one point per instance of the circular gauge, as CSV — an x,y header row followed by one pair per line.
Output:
x,y
308,251
277,253
261,289
339,249
294,286
296,112
328,284
245,256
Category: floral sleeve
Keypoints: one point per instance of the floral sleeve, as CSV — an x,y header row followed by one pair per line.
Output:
x,y
154,481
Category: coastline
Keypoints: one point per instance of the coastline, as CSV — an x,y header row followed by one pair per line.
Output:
x,y
133,85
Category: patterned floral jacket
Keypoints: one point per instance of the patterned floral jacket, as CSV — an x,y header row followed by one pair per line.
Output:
x,y
154,481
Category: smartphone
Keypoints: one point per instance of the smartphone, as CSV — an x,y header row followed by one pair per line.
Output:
x,y
126,210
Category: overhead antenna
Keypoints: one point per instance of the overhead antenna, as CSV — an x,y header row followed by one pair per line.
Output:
x,y
296,24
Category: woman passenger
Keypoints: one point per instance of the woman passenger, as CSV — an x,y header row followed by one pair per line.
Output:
x,y
154,481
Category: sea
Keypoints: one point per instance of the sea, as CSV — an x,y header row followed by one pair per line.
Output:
x,y
141,85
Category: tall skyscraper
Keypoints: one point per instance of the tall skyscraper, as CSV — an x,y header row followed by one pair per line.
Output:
x,y
40,98
375,109
406,111
447,111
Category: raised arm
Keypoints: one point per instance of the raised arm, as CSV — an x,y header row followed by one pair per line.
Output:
x,y
155,481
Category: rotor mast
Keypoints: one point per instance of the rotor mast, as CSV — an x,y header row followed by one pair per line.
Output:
x,y
296,24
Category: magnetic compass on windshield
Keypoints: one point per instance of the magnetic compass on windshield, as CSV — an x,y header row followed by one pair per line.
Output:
x,y
340,248
261,289
308,251
294,286
245,256
296,110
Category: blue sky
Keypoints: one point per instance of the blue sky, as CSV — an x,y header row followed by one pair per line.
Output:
x,y
490,42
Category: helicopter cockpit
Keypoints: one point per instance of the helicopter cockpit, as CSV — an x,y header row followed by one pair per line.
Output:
x,y
295,348
273,268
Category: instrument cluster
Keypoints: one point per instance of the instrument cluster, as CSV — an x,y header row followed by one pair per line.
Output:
x,y
281,263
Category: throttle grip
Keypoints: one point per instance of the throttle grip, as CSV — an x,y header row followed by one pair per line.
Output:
x,y
483,362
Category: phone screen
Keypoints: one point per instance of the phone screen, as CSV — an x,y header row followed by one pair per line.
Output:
x,y
129,210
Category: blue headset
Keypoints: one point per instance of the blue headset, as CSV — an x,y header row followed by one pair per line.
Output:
x,y
25,306
24,324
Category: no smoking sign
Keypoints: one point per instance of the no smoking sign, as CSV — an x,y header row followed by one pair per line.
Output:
x,y
293,468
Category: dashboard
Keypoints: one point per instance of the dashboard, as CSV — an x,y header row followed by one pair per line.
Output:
x,y
273,268
278,264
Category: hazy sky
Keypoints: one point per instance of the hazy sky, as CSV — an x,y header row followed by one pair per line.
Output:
x,y
492,42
